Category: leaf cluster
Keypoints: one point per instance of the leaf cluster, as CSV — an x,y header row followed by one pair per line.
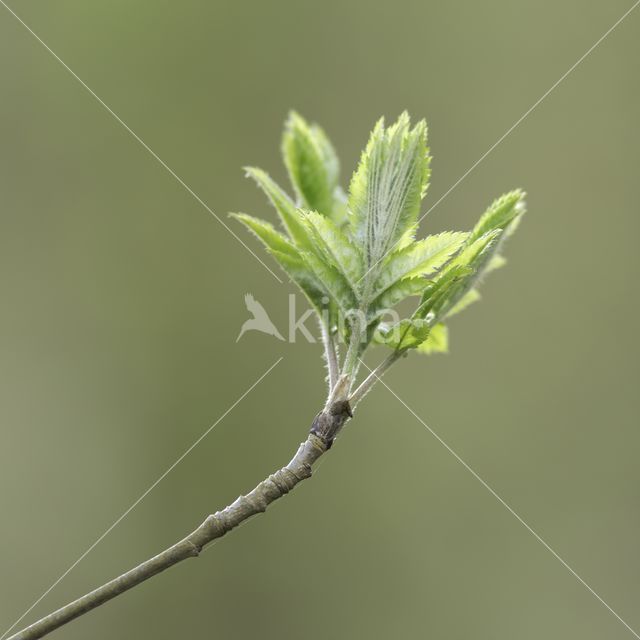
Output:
x,y
356,254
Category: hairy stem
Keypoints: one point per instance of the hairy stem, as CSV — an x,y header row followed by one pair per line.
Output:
x,y
323,431
373,377
331,356
351,360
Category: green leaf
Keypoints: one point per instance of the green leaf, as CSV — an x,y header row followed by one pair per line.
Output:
x,y
329,156
289,259
333,282
340,214
436,292
477,250
290,216
312,164
453,288
436,342
272,239
336,247
317,277
473,259
300,273
480,254
419,258
387,188
456,279
500,214
396,293
406,334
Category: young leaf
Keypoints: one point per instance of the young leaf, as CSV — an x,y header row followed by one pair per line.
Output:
x,y
419,258
474,258
303,276
312,164
471,255
290,216
500,214
272,239
437,341
288,257
406,334
397,292
329,156
387,188
295,265
336,247
332,281
436,292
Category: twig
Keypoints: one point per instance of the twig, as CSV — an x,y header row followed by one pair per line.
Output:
x,y
324,429
373,377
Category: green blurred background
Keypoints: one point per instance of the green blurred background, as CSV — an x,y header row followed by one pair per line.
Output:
x,y
122,299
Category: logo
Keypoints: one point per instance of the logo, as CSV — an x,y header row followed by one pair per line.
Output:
x,y
260,321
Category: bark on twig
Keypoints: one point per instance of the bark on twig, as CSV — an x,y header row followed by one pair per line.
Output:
x,y
325,427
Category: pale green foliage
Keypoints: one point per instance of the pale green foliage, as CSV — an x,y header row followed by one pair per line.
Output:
x,y
312,164
406,334
335,246
359,253
272,239
289,214
500,214
387,188
437,342
420,258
